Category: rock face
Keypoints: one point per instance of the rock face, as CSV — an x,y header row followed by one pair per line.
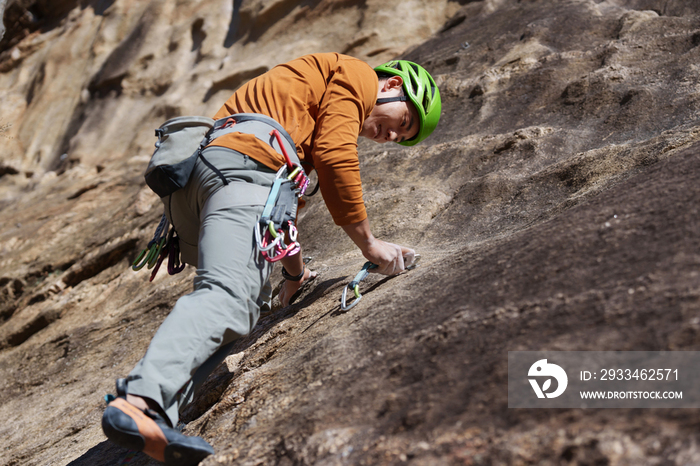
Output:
x,y
556,207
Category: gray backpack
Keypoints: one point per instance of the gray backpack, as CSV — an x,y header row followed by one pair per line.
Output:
x,y
181,140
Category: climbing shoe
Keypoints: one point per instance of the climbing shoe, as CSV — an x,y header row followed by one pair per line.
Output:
x,y
147,431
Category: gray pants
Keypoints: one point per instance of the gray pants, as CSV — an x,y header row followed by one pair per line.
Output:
x,y
215,223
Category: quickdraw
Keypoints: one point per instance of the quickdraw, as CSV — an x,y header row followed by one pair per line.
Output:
x,y
164,244
175,266
280,210
149,256
354,285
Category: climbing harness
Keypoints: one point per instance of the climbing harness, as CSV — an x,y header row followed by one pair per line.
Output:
x,y
354,285
280,211
180,143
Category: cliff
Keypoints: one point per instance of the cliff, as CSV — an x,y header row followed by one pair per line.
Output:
x,y
555,207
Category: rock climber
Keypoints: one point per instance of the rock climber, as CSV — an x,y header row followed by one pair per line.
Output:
x,y
324,102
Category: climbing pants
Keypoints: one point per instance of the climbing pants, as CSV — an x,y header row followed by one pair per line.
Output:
x,y
215,223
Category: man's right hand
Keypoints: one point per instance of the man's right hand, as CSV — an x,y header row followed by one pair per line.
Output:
x,y
388,257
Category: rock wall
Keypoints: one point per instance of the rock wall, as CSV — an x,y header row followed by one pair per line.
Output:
x,y
554,208
88,82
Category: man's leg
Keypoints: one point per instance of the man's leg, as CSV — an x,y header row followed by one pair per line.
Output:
x,y
222,307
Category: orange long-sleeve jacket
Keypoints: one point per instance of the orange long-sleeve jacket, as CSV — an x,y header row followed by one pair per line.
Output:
x,y
322,101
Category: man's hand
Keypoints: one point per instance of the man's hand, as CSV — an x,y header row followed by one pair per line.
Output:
x,y
389,257
289,288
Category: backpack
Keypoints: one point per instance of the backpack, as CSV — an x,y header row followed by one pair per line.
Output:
x,y
180,141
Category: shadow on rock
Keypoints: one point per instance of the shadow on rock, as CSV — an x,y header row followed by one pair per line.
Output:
x,y
108,453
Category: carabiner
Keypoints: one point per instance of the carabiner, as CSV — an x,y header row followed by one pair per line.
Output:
x,y
137,264
149,256
174,264
155,252
343,305
293,248
294,174
281,254
163,254
271,228
261,241
354,285
292,231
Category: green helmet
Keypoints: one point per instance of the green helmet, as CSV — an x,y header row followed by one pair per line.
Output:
x,y
421,89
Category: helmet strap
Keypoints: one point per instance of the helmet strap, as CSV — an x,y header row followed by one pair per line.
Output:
x,y
384,100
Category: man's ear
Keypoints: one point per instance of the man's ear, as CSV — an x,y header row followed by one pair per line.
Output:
x,y
394,82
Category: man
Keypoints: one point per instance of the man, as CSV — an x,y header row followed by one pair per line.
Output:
x,y
324,102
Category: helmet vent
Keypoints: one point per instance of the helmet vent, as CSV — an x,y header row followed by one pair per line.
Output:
x,y
426,101
415,85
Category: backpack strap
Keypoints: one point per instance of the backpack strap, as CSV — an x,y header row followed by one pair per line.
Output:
x,y
259,126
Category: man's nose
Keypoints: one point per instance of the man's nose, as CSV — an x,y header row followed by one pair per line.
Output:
x,y
392,135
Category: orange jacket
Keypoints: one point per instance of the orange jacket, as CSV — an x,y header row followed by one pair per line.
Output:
x,y
322,101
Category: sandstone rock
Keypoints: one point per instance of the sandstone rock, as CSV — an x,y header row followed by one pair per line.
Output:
x,y
554,208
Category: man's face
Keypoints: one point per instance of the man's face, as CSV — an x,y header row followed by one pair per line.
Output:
x,y
392,121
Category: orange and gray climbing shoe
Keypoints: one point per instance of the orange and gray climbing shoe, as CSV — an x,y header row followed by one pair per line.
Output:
x,y
147,431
